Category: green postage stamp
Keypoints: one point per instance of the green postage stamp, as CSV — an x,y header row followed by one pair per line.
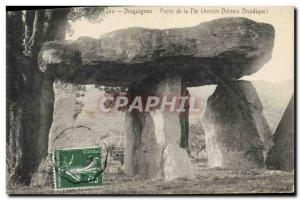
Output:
x,y
77,168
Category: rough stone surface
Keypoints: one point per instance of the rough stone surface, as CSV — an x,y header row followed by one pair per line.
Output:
x,y
85,125
134,124
176,163
237,135
64,110
73,128
152,141
221,49
281,155
184,121
155,153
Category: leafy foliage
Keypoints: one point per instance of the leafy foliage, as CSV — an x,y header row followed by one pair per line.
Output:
x,y
113,92
92,14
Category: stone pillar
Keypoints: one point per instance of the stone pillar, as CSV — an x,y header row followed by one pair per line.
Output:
x,y
152,141
281,156
237,134
134,125
184,121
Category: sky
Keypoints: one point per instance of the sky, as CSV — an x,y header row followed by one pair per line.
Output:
x,y
279,68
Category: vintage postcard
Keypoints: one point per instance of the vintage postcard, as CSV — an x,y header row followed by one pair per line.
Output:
x,y
150,100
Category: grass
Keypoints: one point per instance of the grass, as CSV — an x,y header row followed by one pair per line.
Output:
x,y
208,181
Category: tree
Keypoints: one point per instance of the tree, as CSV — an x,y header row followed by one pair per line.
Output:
x,y
30,94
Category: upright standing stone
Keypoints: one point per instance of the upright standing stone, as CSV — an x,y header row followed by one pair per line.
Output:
x,y
184,120
237,134
152,144
63,108
134,124
281,155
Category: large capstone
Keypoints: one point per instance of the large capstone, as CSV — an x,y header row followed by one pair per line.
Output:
x,y
281,155
152,141
237,134
214,51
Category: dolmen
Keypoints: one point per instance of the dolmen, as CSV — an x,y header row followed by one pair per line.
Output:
x,y
166,62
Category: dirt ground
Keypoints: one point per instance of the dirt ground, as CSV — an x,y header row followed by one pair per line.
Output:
x,y
208,181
